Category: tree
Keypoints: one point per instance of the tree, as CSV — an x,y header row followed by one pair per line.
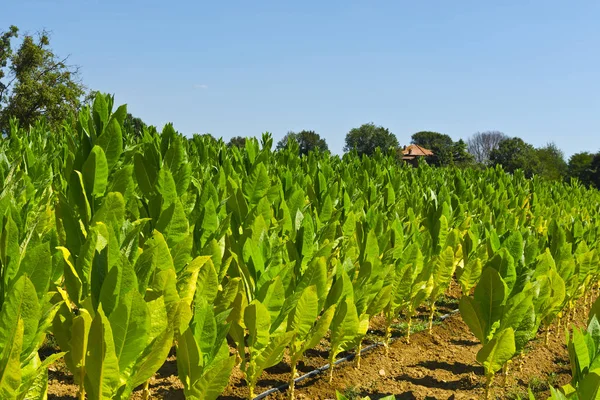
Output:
x,y
580,167
445,150
368,137
134,125
431,140
35,82
237,141
551,162
481,144
307,141
595,171
459,154
513,154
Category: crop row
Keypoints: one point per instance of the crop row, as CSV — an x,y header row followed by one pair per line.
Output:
x,y
122,246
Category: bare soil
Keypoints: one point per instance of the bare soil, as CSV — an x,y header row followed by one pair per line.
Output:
x,y
440,365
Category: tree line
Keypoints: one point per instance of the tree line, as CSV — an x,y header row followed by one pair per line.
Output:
x,y
36,84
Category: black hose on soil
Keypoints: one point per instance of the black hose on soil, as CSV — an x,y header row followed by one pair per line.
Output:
x,y
325,367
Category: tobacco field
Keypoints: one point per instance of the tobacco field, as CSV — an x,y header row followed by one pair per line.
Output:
x,y
124,251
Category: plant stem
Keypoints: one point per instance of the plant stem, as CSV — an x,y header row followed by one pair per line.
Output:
x,y
292,382
408,324
506,368
357,365
146,392
431,314
547,338
488,387
388,335
81,392
331,365
251,392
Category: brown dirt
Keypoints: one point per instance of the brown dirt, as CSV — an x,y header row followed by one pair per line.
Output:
x,y
437,366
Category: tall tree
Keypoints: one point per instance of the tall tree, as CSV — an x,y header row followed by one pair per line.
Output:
x,y
580,167
307,141
134,125
35,82
237,141
481,144
551,162
445,150
595,171
366,138
460,155
431,140
513,154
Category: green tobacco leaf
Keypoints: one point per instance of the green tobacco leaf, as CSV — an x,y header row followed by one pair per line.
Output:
x,y
494,354
100,112
303,316
209,223
181,253
226,296
470,275
102,366
581,350
272,296
515,246
111,141
188,278
504,263
9,251
589,387
257,184
315,274
145,174
273,353
120,114
10,362
151,359
595,310
122,181
443,270
319,330
189,360
78,345
207,285
204,326
35,265
471,313
166,187
555,394
258,322
344,327
173,223
95,173
490,294
130,323
156,256
22,305
213,381
176,161
35,385
111,212
516,309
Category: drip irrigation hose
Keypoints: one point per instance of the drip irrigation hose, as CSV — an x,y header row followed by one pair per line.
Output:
x,y
325,367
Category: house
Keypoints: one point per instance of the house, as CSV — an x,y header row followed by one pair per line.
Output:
x,y
413,152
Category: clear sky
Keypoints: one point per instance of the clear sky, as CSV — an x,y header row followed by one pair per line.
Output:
x,y
527,68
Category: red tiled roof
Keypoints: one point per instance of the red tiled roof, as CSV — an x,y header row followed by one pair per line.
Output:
x,y
416,150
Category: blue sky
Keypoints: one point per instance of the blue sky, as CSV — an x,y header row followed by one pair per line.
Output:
x,y
526,68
